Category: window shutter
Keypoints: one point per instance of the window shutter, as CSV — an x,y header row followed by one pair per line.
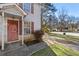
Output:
x,y
32,26
32,8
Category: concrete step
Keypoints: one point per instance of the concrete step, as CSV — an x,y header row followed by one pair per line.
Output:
x,y
13,49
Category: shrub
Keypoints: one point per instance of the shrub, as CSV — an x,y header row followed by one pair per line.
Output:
x,y
46,30
38,35
29,38
33,38
0,44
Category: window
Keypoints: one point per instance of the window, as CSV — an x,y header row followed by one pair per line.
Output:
x,y
26,7
26,31
28,27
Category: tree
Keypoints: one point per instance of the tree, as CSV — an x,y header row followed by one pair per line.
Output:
x,y
53,22
48,10
77,25
72,25
62,16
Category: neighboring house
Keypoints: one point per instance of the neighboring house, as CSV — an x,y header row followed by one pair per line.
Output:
x,y
18,20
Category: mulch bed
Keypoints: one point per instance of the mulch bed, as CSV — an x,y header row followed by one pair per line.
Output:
x,y
32,42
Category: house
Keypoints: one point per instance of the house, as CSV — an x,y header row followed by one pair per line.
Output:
x,y
32,22
18,20
33,19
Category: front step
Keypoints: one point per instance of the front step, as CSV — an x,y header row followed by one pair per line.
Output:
x,y
12,48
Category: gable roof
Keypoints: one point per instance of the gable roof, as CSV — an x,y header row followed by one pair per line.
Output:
x,y
2,6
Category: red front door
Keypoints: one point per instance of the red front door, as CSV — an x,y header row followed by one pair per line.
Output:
x,y
12,30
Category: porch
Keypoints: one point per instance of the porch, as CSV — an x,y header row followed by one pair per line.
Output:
x,y
11,15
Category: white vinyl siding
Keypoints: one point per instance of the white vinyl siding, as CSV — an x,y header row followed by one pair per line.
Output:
x,y
35,17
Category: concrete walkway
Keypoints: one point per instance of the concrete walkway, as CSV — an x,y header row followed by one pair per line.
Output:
x,y
23,50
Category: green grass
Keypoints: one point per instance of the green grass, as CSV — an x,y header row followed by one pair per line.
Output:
x,y
60,50
56,49
44,52
66,37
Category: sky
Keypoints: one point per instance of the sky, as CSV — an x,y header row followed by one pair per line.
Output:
x,y
72,8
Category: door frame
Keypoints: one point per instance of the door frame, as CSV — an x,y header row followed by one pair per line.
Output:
x,y
7,30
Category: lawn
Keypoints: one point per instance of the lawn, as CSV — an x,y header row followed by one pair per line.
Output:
x,y
44,52
56,50
66,37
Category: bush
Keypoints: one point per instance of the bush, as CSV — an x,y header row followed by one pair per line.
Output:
x,y
0,44
38,35
29,38
33,38
45,29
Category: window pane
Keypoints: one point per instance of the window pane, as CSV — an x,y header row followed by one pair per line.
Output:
x,y
26,7
26,31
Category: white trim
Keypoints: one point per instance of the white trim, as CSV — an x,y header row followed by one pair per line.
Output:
x,y
3,31
13,41
5,5
22,31
6,29
20,9
10,18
